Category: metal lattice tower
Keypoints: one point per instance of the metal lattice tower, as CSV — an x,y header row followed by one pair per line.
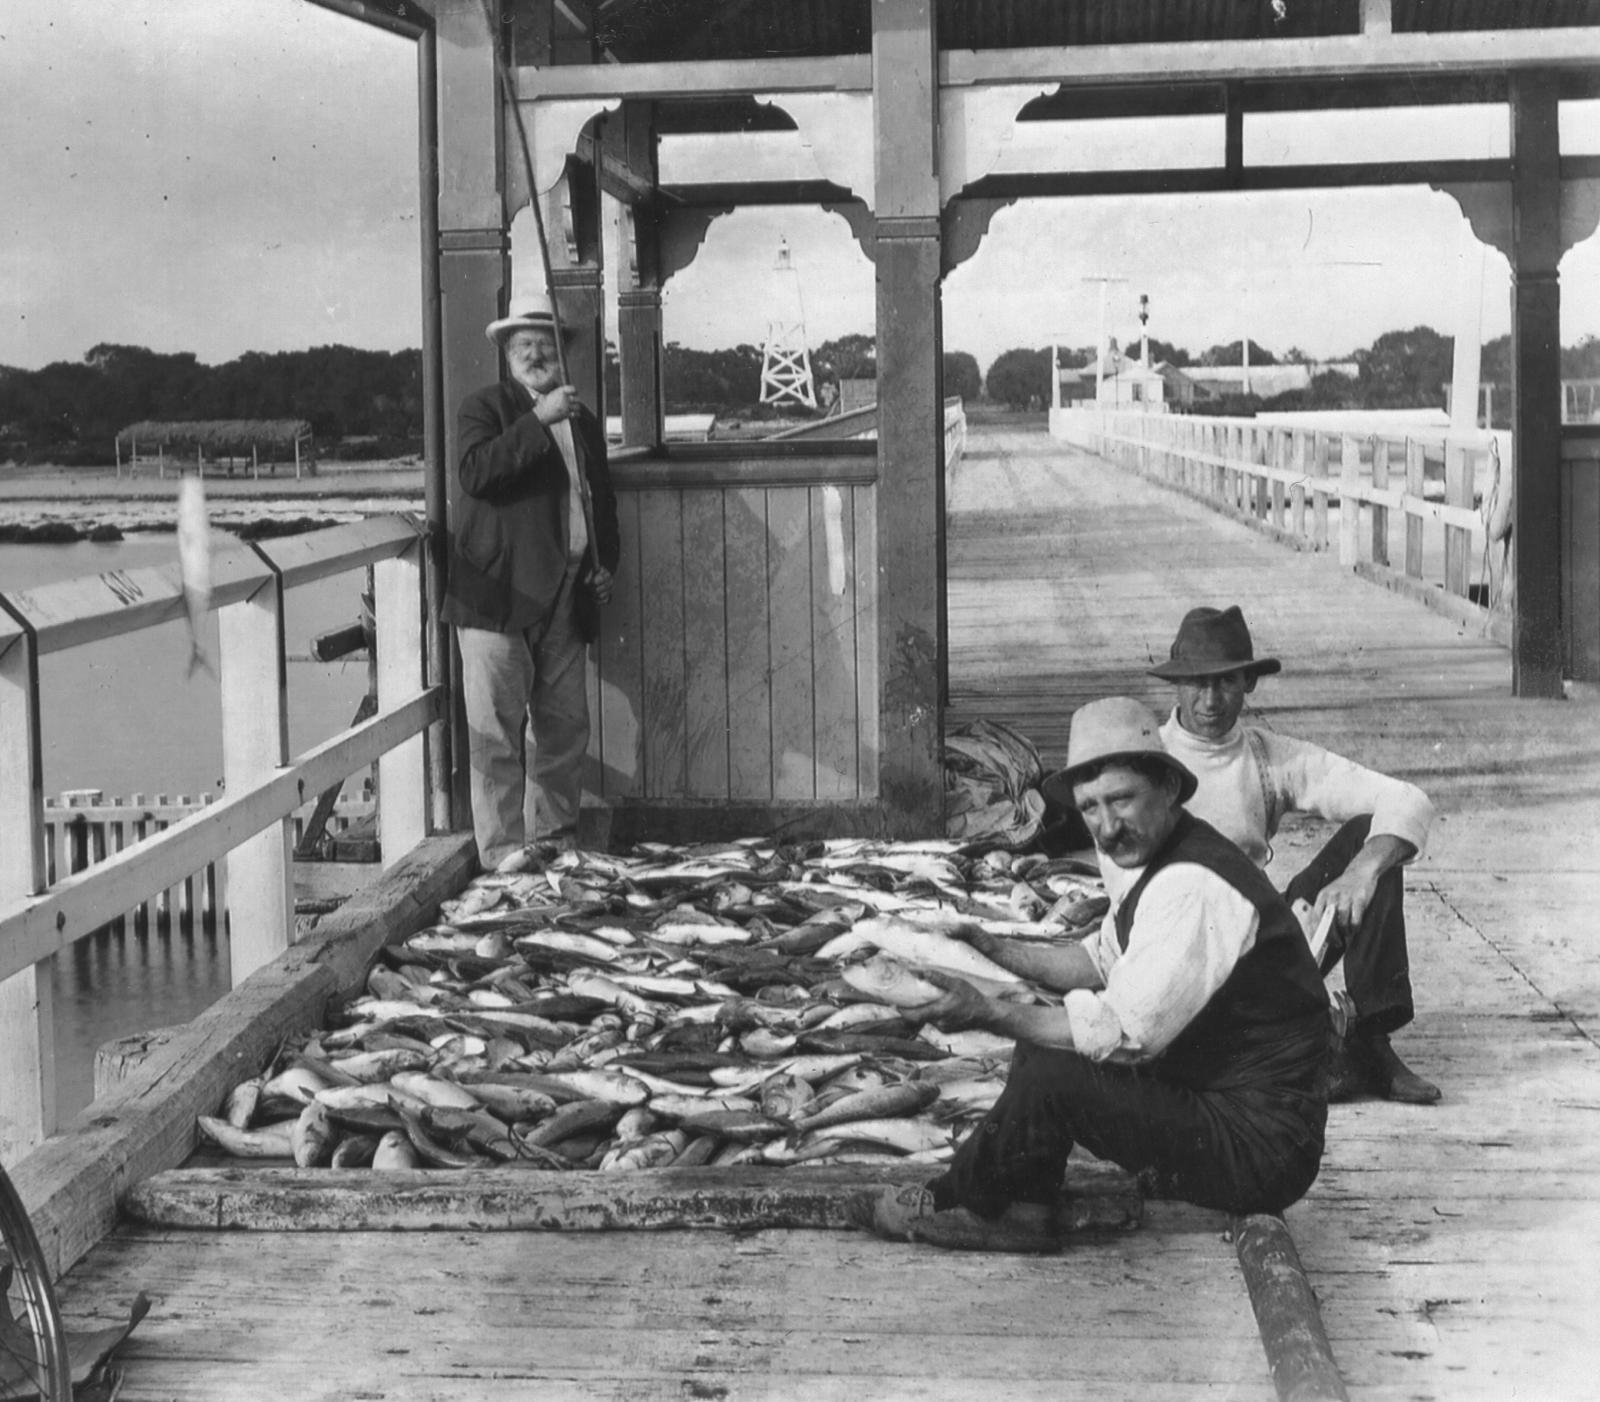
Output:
x,y
785,360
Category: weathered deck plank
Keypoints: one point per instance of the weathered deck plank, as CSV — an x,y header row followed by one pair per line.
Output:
x,y
781,1314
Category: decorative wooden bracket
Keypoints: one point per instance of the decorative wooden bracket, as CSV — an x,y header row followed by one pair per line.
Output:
x,y
680,234
1487,207
965,223
976,125
832,127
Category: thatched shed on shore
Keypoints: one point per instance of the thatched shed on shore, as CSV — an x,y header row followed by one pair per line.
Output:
x,y
254,440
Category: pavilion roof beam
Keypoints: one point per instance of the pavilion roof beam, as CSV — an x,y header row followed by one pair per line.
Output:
x,y
1262,59
714,78
1202,179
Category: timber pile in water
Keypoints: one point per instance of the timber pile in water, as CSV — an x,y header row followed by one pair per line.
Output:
x,y
740,1004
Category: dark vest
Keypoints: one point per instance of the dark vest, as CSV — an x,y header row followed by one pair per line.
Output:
x,y
1268,1023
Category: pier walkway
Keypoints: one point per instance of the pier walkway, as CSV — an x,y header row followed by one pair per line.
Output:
x,y
1452,1247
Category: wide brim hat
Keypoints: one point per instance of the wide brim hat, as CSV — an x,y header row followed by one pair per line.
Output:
x,y
1210,642
1116,728
531,311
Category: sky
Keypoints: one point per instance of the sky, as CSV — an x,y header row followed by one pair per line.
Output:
x,y
217,176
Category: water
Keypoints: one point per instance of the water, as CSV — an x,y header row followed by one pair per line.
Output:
x,y
123,717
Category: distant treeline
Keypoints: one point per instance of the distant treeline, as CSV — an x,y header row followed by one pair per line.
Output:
x,y
1399,370
70,412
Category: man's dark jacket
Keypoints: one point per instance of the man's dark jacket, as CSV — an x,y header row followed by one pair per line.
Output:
x,y
508,549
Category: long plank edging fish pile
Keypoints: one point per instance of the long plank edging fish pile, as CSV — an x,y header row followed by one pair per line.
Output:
x,y
704,1008
1101,1196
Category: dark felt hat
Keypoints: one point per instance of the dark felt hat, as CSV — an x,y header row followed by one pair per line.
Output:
x,y
1210,642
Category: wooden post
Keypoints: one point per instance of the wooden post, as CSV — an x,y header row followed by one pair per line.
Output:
x,y
1319,491
630,142
1297,489
1416,476
402,771
255,741
1349,501
1457,539
1538,647
473,249
1380,513
910,492
27,1027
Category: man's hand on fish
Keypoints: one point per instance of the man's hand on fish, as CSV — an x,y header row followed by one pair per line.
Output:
x,y
556,404
600,582
961,1008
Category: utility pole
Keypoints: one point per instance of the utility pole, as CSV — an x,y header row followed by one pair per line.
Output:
x,y
1100,340
1144,330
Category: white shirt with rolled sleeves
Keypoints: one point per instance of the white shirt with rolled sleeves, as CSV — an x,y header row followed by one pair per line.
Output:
x,y
1300,777
1189,932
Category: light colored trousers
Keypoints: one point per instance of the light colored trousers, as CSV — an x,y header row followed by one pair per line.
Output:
x,y
525,691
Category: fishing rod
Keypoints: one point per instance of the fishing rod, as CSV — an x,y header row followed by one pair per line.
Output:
x,y
509,97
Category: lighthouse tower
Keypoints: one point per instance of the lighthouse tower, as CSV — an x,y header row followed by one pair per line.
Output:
x,y
785,361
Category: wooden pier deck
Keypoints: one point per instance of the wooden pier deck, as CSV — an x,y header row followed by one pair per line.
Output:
x,y
1452,1247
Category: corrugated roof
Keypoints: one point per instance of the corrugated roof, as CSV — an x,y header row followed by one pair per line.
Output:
x,y
665,30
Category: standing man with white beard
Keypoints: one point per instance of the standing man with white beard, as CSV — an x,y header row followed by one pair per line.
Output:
x,y
530,565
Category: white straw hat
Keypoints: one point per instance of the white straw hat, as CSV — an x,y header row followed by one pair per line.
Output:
x,y
532,311
1118,727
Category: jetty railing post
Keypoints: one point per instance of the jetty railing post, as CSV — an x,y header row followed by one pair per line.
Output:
x,y
27,1026
1416,476
1349,501
1380,513
1319,490
1296,463
399,623
1458,483
255,742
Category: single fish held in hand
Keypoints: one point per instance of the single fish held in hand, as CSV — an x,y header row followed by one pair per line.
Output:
x,y
890,980
194,566
917,946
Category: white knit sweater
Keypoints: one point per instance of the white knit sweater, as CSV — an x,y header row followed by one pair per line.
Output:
x,y
1244,803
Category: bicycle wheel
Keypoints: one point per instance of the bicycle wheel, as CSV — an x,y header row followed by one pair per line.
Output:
x,y
33,1346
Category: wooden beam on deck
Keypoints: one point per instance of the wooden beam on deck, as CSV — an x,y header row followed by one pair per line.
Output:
x,y
512,1199
73,1183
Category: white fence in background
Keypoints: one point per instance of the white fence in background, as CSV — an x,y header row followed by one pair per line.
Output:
x,y
83,828
1407,505
250,828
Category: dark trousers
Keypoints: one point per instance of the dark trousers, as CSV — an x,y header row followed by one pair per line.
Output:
x,y
1377,969
1239,1150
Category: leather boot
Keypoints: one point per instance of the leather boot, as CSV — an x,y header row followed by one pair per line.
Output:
x,y
1346,1075
1389,1076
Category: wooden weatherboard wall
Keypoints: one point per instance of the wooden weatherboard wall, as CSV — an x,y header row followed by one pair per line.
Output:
x,y
737,661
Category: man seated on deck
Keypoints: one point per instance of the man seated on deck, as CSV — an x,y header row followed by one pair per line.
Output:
x,y
1249,778
1188,1047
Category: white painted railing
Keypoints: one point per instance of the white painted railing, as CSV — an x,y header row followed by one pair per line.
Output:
x,y
955,433
251,825
1289,476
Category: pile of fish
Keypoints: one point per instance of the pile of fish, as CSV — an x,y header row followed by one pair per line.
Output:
x,y
740,1004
